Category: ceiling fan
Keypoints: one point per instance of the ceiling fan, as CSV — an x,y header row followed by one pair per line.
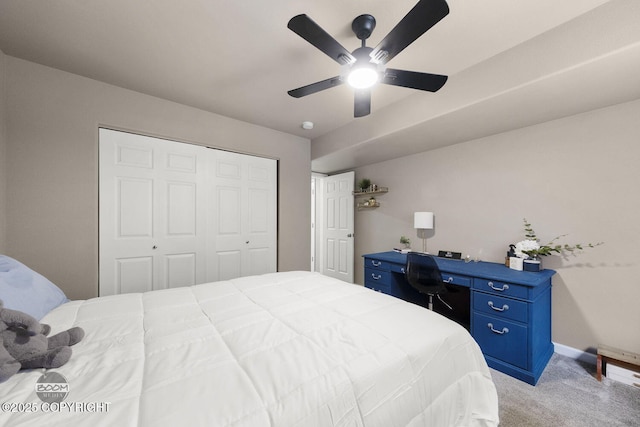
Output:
x,y
365,66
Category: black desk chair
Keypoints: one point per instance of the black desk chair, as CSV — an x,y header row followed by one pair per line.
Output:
x,y
423,275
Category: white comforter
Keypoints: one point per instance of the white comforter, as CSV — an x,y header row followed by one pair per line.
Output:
x,y
283,349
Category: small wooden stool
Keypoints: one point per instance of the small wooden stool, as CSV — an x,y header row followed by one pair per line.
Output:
x,y
609,353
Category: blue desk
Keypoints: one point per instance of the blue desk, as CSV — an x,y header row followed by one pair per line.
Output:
x,y
510,310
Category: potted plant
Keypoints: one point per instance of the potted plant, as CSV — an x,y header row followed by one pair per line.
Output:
x,y
531,250
404,240
364,184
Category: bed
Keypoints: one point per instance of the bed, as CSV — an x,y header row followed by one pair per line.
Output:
x,y
281,349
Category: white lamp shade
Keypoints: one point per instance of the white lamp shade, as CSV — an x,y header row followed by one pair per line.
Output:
x,y
423,220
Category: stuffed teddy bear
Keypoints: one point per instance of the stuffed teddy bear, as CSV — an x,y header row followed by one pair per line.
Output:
x,y
25,344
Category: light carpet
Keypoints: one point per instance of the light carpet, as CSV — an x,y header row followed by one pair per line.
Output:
x,y
567,395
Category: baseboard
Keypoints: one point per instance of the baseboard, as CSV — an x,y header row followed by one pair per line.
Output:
x,y
574,353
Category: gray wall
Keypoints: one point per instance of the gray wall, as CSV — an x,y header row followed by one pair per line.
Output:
x,y
52,121
577,175
3,157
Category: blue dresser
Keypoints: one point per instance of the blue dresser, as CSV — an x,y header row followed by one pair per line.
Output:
x,y
510,311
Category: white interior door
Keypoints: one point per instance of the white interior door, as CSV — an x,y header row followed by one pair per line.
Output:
x,y
337,226
242,219
151,226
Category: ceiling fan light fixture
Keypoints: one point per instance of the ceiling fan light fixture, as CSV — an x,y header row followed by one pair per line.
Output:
x,y
366,66
363,77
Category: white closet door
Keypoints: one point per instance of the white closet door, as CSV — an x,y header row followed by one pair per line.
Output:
x,y
152,222
242,216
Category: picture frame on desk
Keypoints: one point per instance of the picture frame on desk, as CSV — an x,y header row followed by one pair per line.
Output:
x,y
450,254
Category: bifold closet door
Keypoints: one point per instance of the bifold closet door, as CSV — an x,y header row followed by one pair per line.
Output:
x,y
152,228
242,216
175,214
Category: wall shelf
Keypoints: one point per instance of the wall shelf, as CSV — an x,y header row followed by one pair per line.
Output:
x,y
370,195
380,190
361,206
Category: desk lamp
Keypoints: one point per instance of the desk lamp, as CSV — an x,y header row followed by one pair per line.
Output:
x,y
423,221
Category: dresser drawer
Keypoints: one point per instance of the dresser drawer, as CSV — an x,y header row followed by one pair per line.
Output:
x,y
503,340
378,280
456,279
371,274
503,308
377,264
501,288
399,268
378,287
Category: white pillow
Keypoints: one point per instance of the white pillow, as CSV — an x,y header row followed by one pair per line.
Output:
x,y
25,290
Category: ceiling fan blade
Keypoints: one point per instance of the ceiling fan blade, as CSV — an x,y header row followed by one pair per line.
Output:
x,y
414,80
423,16
306,28
315,87
362,104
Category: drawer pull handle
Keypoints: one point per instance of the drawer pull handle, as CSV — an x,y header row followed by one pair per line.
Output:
x,y
503,331
504,307
449,280
376,277
502,289
376,263
402,270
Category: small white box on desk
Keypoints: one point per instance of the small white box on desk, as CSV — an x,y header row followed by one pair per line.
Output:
x,y
515,263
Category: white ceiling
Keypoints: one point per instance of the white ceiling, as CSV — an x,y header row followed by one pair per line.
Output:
x,y
238,59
